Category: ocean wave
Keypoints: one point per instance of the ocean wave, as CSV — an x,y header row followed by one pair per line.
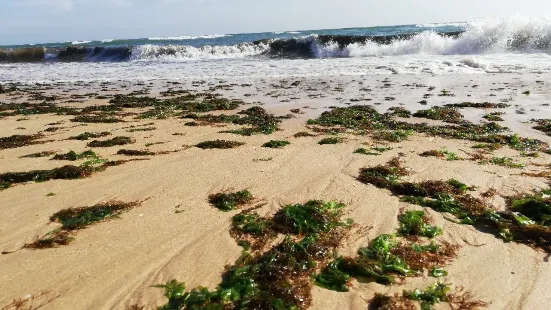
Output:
x,y
186,52
80,42
288,32
181,38
493,36
438,25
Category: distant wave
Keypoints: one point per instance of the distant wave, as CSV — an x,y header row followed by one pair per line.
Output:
x,y
80,42
493,36
210,36
289,32
438,25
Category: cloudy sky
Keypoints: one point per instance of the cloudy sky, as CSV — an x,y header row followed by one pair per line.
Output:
x,y
37,21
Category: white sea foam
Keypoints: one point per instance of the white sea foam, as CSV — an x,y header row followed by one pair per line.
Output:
x,y
437,25
490,36
259,68
181,38
289,32
186,52
80,42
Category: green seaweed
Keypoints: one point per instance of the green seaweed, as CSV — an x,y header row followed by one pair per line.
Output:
x,y
142,129
231,200
276,144
68,172
90,135
279,278
366,120
434,294
74,219
116,141
450,156
303,134
505,162
393,135
494,116
313,217
446,114
330,140
449,197
135,152
219,144
16,141
543,125
260,121
39,154
72,155
96,119
416,223
365,151
250,223
82,217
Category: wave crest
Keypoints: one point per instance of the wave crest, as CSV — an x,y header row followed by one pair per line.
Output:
x,y
182,38
186,52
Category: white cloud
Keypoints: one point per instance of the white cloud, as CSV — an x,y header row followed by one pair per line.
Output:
x,y
57,5
64,6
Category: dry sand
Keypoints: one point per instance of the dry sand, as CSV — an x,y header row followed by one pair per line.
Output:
x,y
112,265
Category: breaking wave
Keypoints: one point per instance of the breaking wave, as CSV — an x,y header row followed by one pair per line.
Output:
x,y
182,38
186,52
480,37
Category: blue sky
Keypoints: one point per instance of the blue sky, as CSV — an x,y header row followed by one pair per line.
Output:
x,y
38,21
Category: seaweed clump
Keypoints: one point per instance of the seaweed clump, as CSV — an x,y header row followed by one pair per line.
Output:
x,y
67,172
16,141
330,140
416,223
446,114
302,134
39,154
434,294
452,197
90,135
478,105
383,260
442,153
219,144
276,144
72,155
74,219
119,140
503,161
135,152
366,120
259,120
494,117
96,119
280,277
543,125
228,201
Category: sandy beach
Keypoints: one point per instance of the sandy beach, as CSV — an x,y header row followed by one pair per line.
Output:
x,y
175,233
